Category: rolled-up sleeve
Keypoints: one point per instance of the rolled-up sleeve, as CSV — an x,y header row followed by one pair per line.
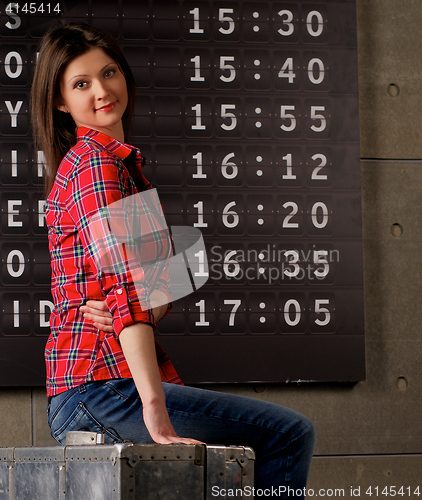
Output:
x,y
111,249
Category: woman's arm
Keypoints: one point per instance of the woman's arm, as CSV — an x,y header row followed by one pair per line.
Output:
x,y
138,346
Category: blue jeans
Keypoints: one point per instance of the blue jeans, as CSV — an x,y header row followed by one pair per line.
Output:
x,y
283,440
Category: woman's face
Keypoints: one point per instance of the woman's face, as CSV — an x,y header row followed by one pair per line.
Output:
x,y
93,90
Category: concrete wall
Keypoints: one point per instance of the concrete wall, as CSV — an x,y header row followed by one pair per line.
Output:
x,y
368,434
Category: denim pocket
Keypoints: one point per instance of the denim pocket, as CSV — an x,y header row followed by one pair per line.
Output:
x,y
124,388
57,403
82,419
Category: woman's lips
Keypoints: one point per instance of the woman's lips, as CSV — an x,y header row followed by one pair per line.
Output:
x,y
107,107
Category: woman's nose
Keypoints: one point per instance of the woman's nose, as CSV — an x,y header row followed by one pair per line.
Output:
x,y
101,90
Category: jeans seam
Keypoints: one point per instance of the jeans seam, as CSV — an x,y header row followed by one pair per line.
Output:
x,y
69,394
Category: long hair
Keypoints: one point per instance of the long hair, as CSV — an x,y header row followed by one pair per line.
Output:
x,y
53,130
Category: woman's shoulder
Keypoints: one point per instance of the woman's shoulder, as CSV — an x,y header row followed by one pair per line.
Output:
x,y
86,155
87,151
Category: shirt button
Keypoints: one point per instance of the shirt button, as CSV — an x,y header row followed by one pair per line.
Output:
x,y
120,291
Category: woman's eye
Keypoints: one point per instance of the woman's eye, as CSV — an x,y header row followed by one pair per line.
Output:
x,y
80,85
109,73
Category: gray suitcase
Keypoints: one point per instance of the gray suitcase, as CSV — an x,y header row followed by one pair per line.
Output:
x,y
126,471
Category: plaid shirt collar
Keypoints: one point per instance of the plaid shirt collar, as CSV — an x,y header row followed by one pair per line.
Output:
x,y
120,149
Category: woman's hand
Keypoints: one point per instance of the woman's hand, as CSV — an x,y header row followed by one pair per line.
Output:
x,y
159,426
97,312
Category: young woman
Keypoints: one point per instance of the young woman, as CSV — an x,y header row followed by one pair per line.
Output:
x,y
104,370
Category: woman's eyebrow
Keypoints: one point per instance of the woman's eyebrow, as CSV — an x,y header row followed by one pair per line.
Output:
x,y
76,76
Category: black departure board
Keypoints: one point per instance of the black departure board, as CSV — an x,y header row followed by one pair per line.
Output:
x,y
248,115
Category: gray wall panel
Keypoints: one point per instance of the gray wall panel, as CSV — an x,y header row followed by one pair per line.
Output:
x,y
361,473
390,52
41,431
391,194
15,417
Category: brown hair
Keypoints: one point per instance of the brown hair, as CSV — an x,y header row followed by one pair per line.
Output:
x,y
53,130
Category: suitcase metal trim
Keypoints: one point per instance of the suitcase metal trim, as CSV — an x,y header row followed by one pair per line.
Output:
x,y
229,468
7,474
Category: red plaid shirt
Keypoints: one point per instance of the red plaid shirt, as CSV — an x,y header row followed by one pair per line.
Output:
x,y
92,175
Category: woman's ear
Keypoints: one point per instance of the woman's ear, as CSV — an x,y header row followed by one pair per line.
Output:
x,y
59,104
